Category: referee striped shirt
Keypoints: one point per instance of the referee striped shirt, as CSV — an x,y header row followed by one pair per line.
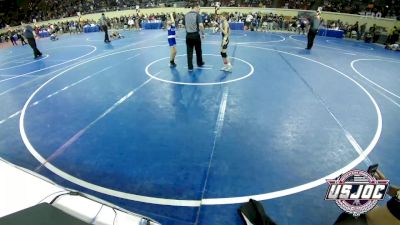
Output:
x,y
192,20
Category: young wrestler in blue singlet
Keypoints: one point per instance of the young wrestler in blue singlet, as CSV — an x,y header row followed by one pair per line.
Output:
x,y
171,39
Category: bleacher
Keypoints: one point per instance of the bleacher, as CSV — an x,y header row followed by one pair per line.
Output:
x,y
12,13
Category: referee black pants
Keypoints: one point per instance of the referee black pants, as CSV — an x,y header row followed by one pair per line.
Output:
x,y
32,43
105,29
311,37
193,40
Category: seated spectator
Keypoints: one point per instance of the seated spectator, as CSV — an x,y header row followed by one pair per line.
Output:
x,y
374,33
72,27
393,36
354,32
368,37
264,26
394,47
293,26
131,23
249,19
53,37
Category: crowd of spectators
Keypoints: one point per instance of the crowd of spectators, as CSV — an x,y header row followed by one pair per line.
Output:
x,y
253,22
43,10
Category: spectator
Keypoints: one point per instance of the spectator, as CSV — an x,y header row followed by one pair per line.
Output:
x,y
355,29
394,47
301,26
362,31
21,38
55,9
393,36
374,33
53,37
13,38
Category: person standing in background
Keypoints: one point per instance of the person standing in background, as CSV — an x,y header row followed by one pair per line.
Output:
x,y
354,28
393,35
103,23
315,22
362,31
28,33
374,33
21,38
13,38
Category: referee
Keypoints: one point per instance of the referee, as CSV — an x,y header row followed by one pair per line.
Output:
x,y
194,27
103,23
315,22
28,33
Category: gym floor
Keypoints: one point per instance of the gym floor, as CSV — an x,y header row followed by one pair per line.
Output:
x,y
115,121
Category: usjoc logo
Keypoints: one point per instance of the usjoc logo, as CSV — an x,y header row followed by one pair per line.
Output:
x,y
356,192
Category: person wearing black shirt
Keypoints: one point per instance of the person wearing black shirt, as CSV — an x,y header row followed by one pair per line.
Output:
x,y
354,28
374,33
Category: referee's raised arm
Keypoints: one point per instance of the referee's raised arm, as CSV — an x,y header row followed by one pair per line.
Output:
x,y
194,33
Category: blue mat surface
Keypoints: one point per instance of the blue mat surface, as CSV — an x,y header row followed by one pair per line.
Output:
x,y
114,120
